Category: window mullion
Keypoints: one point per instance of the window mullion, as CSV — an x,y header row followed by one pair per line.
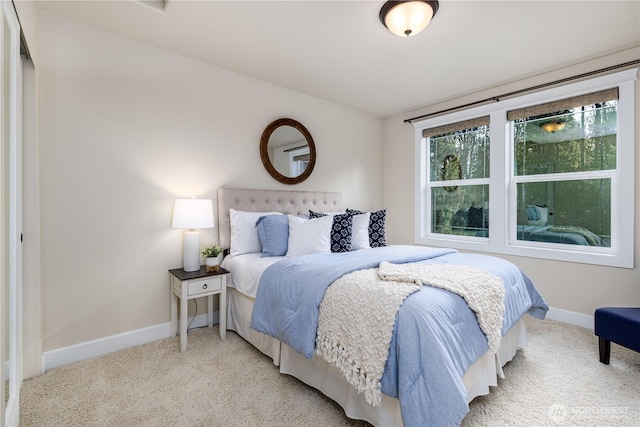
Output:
x,y
566,176
458,182
499,178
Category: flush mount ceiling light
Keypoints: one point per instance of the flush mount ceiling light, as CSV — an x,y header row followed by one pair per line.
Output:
x,y
553,126
407,18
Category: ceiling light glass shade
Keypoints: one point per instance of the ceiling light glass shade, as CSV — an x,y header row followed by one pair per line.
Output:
x,y
192,213
407,18
553,126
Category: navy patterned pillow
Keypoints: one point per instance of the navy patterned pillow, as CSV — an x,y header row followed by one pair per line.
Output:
x,y
377,219
314,214
341,231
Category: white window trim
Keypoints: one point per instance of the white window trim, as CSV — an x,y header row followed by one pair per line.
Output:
x,y
502,200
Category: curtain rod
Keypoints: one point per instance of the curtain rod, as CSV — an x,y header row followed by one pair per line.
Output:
x,y
529,89
295,148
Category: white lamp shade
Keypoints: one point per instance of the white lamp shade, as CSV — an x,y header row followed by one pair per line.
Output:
x,y
192,213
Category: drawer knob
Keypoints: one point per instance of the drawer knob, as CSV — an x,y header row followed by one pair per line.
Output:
x,y
205,286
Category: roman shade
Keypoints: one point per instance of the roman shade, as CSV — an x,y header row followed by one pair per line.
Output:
x,y
563,104
452,127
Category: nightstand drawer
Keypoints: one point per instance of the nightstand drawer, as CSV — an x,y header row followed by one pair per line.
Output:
x,y
204,285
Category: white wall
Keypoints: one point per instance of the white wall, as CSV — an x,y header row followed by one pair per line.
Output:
x,y
568,286
126,128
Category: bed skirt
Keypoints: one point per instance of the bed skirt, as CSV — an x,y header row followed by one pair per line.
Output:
x,y
239,308
319,374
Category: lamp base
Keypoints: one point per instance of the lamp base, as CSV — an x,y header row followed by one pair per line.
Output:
x,y
191,251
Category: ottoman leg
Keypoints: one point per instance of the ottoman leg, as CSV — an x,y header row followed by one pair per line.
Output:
x,y
605,350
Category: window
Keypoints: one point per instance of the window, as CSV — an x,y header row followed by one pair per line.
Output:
x,y
459,178
564,163
299,160
558,164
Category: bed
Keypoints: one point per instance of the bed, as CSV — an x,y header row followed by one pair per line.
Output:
x,y
566,234
468,371
475,222
538,229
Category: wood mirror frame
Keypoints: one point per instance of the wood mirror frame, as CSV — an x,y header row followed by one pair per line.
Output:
x,y
264,151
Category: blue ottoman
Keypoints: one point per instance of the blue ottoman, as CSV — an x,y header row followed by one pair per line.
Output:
x,y
618,324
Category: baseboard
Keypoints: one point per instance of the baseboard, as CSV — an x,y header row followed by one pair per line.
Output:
x,y
87,350
570,317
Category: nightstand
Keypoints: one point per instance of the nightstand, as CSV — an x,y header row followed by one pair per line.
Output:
x,y
196,284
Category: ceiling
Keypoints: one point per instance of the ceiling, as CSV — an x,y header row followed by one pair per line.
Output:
x,y
339,51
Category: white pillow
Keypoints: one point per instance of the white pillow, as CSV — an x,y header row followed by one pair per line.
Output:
x,y
360,231
244,233
540,215
543,213
309,236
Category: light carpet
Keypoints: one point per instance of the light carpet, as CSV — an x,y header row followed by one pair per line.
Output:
x,y
557,380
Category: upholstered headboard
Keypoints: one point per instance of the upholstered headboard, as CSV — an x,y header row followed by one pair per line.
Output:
x,y
289,202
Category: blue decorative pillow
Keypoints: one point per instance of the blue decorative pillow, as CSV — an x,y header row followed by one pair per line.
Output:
x,y
273,231
341,231
377,237
532,213
537,215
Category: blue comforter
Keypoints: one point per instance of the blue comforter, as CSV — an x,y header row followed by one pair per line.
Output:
x,y
568,234
436,336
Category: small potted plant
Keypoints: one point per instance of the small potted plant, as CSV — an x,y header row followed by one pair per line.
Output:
x,y
211,257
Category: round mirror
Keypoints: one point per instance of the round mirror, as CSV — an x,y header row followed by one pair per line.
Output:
x,y
287,151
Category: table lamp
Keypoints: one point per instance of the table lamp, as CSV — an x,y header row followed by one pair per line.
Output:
x,y
192,214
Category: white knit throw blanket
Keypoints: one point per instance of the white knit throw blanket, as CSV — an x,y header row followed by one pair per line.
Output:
x,y
358,312
482,291
355,326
